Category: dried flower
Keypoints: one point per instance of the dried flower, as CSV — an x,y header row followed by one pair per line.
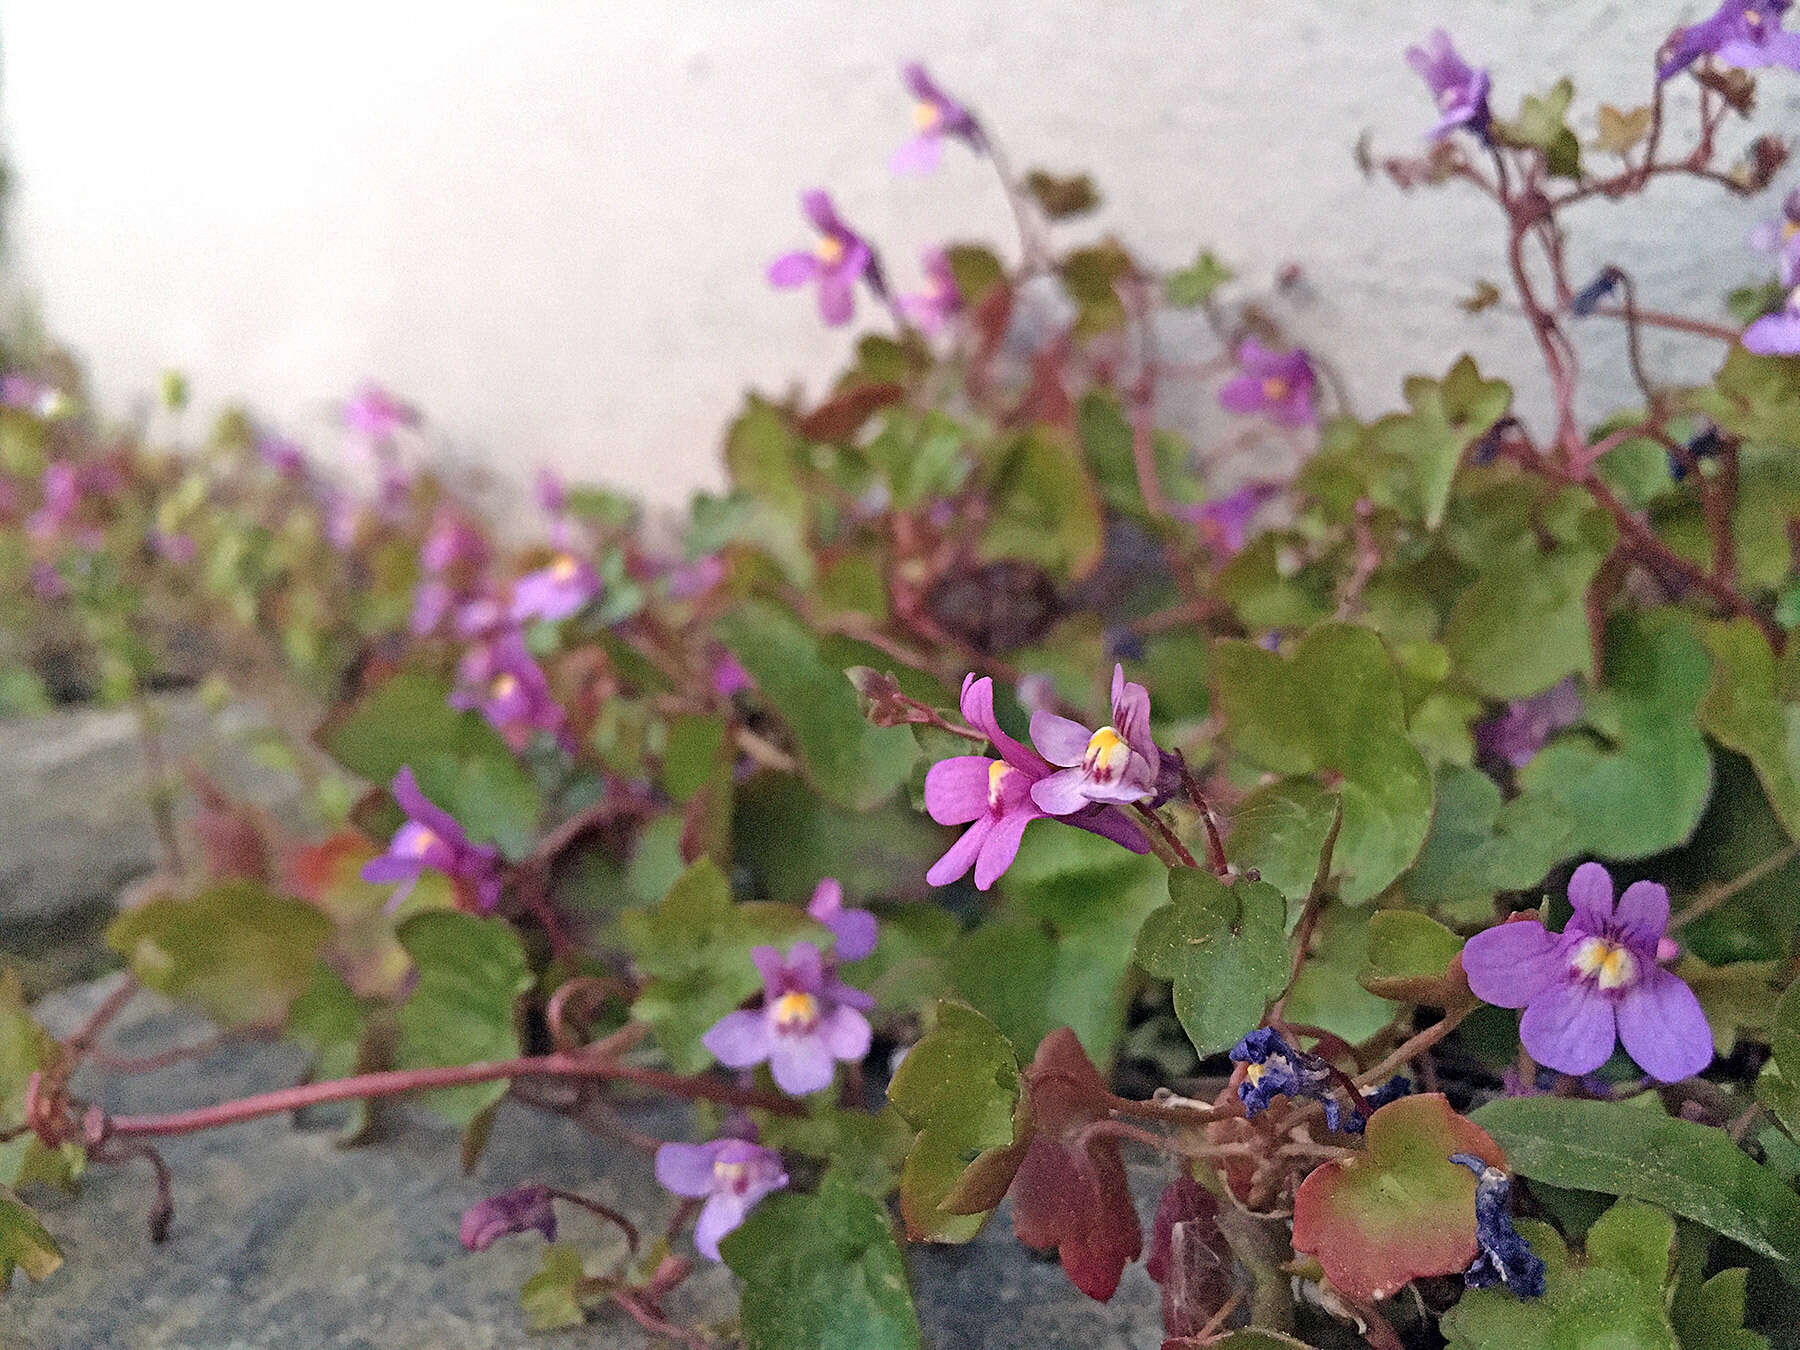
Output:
x,y
516,1211
1505,1257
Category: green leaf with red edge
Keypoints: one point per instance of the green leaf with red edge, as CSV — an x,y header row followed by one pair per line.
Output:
x,y
959,1087
25,1048
1401,1210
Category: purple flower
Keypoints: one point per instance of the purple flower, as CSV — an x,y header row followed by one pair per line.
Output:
x,y
555,592
1776,334
1118,763
453,541
377,415
282,455
551,492
729,676
501,679
993,797
431,838
61,487
730,1174
1597,982
1743,33
29,394
941,300
1504,1257
809,1019
1460,91
516,1211
1225,521
836,262
179,549
854,929
47,583
690,581
1781,238
935,116
1277,384
1527,724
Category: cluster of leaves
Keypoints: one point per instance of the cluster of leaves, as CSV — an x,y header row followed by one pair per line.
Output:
x,y
1417,683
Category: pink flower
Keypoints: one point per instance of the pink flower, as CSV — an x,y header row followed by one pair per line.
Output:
x,y
1279,385
432,839
1117,763
509,687
936,117
557,591
809,1020
376,415
840,259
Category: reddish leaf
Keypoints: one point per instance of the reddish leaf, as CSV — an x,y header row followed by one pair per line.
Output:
x,y
233,835
841,416
1189,1257
1070,1194
1401,1209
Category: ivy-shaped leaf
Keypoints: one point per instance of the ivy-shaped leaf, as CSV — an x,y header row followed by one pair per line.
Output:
x,y
1044,507
1743,709
1196,283
25,1048
1222,948
1329,992
548,1296
1400,1209
1333,720
1448,416
1542,124
1481,845
1413,957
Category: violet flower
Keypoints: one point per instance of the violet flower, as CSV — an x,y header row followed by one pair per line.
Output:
x,y
1598,982
377,416
516,1211
1459,90
1504,1257
282,455
1742,33
453,541
1118,763
1225,521
932,309
729,677
854,929
809,1019
936,117
556,591
1781,239
836,262
1279,385
432,839
61,490
1776,334
27,393
1528,724
994,798
731,1175
502,680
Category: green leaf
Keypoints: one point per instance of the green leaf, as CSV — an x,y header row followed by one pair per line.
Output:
x,y
1542,124
328,1018
852,763
693,755
1409,957
1196,283
1044,508
462,1010
959,1088
1742,711
1614,1299
762,455
1224,951
548,1297
25,1048
1756,398
237,951
1642,790
822,1271
1092,276
1710,1315
1689,1169
1335,710
1785,1033
25,1244
1328,993
1061,196
1447,418
1480,845
867,1149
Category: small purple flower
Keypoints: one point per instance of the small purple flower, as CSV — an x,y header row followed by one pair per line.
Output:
x,y
1460,91
932,309
377,416
516,1211
453,541
509,687
729,677
1118,763
1742,33
556,591
61,488
809,1019
1504,1258
1598,982
1528,724
691,580
1279,385
1781,238
936,116
282,455
27,393
731,1175
1225,521
854,929
431,838
552,493
47,583
836,262
1776,334
993,798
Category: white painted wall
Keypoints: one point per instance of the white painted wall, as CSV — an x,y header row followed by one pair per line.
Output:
x,y
547,222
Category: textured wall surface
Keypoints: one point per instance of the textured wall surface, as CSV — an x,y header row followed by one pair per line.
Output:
x,y
547,222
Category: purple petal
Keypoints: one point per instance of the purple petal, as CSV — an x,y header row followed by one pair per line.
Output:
x,y
1058,739
1569,1027
815,203
1663,1026
845,1033
770,965
827,900
856,931
1643,913
1591,895
962,854
386,867
687,1169
1061,794
1774,335
1509,964
919,155
740,1039
793,269
978,712
1001,847
1109,824
837,300
718,1217
1131,716
421,808
514,1211
956,790
801,1065
1242,395
805,969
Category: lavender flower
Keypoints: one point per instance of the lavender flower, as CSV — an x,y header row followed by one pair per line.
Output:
x,y
936,116
691,580
1505,1257
431,838
932,309
1279,385
516,1211
377,416
61,489
730,1174
836,262
808,1020
1528,724
502,680
1781,239
282,455
729,676
1225,521
1743,33
994,798
1776,334
1118,763
1598,982
1460,91
453,542
854,929
555,592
